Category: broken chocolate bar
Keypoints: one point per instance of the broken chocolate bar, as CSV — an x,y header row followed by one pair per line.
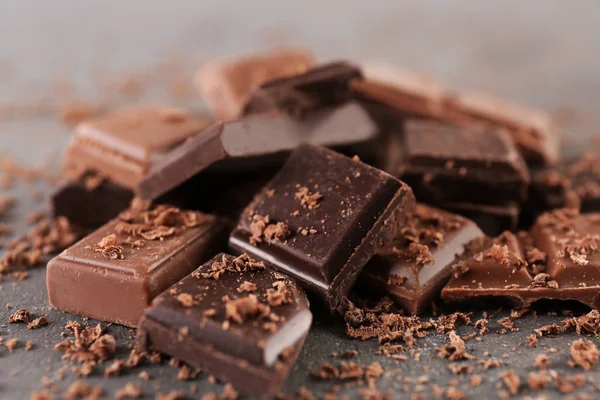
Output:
x,y
256,141
444,163
559,260
493,219
89,207
533,130
226,84
418,263
326,85
321,219
234,319
123,145
114,273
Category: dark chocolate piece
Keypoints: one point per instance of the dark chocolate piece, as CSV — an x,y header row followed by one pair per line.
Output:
x,y
571,184
322,86
492,219
418,263
533,130
114,273
89,207
559,260
256,141
443,163
123,145
321,219
226,84
234,319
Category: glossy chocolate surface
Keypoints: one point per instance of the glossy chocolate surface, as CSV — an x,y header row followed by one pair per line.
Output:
x,y
557,260
256,141
443,163
227,84
122,145
116,281
338,213
325,85
417,264
235,318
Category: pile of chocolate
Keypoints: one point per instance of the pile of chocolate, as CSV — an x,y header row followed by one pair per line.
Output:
x,y
335,178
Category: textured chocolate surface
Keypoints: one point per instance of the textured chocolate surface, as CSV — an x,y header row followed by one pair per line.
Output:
x,y
234,318
256,141
558,260
418,263
493,219
322,86
226,84
321,219
114,273
122,145
89,207
459,164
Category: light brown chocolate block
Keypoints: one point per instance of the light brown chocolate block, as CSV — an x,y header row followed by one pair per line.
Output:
x,y
114,273
122,145
226,84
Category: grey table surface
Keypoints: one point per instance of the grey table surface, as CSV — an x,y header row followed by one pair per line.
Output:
x,y
541,52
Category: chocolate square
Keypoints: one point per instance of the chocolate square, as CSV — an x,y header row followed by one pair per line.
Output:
x,y
321,218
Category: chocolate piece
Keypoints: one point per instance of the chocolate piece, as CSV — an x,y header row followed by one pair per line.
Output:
x,y
571,184
492,219
89,207
533,130
114,273
418,263
123,145
562,263
322,86
408,93
321,219
226,84
443,163
233,319
256,141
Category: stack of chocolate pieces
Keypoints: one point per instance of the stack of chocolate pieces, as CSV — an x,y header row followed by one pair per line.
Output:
x,y
332,178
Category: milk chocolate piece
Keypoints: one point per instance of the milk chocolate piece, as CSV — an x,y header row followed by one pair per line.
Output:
x,y
114,273
443,163
492,219
559,260
571,184
321,219
89,207
256,141
325,85
233,319
123,145
533,130
226,84
413,269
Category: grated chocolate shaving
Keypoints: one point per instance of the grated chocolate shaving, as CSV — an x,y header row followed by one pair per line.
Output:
x,y
21,315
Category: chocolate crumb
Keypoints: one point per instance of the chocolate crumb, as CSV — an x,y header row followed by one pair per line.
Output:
x,y
38,322
173,395
114,369
585,354
307,199
455,350
21,315
11,344
542,361
511,381
131,390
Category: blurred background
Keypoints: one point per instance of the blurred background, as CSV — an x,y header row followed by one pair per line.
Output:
x,y
540,52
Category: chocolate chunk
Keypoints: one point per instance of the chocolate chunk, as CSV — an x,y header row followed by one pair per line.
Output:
x,y
339,211
89,207
533,130
256,141
457,164
558,261
493,219
417,264
114,273
237,336
326,85
122,145
570,184
226,84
